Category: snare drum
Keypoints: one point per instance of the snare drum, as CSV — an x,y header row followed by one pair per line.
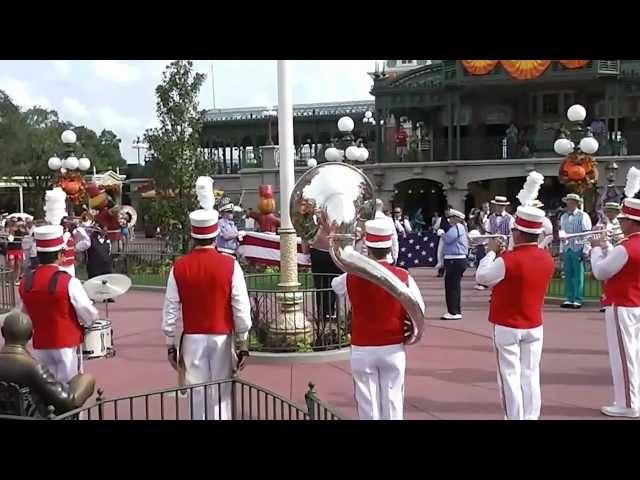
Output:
x,y
98,340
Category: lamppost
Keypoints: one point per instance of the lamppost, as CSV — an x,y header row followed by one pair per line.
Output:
x,y
348,148
579,139
139,146
370,120
70,163
69,168
270,114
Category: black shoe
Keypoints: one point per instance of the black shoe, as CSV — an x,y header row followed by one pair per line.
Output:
x,y
566,305
576,306
603,309
109,300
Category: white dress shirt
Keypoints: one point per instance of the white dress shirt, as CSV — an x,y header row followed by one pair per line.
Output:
x,y
240,306
605,262
491,270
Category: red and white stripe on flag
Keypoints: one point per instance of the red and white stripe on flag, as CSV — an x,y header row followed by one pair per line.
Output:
x,y
264,248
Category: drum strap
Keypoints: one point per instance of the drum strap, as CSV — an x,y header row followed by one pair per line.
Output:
x,y
53,283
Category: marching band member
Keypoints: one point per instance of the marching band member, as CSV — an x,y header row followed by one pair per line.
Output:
x,y
611,224
208,289
58,306
500,222
455,249
546,237
227,241
573,220
619,268
519,278
75,239
378,327
380,215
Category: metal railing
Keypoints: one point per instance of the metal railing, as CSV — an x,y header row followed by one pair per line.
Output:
x,y
232,399
321,323
592,288
7,291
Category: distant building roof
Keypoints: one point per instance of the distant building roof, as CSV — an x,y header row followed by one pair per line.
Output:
x,y
300,110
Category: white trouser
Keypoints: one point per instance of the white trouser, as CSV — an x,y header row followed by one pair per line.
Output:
x,y
518,353
208,358
623,338
378,379
71,269
63,363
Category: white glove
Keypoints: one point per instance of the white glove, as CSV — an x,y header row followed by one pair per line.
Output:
x,y
241,235
440,232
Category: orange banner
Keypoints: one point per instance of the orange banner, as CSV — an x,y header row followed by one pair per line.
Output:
x,y
525,69
574,63
479,67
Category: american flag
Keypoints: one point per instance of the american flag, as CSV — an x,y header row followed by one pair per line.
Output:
x,y
418,250
264,249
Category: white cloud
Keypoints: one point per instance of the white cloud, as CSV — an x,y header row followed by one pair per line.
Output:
x,y
116,71
75,107
62,68
20,94
112,120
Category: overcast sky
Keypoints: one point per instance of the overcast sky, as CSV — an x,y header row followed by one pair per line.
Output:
x,y
119,95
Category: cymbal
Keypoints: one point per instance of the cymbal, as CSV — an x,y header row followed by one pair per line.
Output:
x,y
107,286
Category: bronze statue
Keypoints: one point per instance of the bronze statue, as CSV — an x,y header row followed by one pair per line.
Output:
x,y
22,375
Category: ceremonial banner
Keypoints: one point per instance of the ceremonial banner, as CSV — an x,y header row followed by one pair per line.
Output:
x,y
264,249
418,250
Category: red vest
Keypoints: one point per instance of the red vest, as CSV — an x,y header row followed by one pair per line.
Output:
x,y
517,300
204,279
623,289
377,318
55,324
69,252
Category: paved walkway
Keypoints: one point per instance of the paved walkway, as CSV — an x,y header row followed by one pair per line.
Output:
x,y
450,375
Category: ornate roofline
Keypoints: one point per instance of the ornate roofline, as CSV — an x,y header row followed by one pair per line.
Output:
x,y
299,110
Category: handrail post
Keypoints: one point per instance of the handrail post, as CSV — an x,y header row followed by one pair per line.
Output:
x,y
310,400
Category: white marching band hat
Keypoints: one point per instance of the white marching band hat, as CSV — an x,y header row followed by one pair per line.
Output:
x,y
500,201
529,219
452,212
378,233
612,206
227,208
49,238
631,209
204,224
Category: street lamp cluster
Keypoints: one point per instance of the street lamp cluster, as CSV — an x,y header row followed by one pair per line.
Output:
x,y
577,135
349,149
70,162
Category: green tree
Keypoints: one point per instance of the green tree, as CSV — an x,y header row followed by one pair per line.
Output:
x,y
175,146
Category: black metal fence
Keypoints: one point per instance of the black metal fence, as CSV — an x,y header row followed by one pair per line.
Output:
x,y
7,291
232,399
311,319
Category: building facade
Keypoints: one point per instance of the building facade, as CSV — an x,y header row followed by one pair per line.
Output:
x,y
473,129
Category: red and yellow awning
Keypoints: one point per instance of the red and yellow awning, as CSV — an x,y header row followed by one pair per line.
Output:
x,y
518,69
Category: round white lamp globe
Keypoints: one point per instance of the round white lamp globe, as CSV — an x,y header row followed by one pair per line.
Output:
x,y
70,163
364,154
84,164
332,154
68,136
312,162
589,145
54,163
345,124
576,113
353,153
368,114
563,146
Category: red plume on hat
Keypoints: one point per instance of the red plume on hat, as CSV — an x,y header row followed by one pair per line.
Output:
x,y
266,191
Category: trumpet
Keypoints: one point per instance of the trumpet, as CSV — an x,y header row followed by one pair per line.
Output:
x,y
476,238
565,237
